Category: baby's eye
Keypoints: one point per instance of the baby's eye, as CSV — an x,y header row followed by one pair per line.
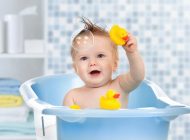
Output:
x,y
83,58
101,55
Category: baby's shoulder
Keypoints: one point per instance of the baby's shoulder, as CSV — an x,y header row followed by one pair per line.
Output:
x,y
115,82
70,96
75,91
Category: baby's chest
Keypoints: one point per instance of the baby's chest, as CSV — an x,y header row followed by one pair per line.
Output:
x,y
92,100
89,100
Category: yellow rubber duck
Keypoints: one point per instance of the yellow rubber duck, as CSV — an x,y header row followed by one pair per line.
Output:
x,y
110,100
75,106
118,35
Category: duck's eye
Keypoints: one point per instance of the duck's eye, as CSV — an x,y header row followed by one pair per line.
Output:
x,y
83,58
101,55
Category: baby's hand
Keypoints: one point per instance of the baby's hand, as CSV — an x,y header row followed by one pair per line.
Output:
x,y
131,44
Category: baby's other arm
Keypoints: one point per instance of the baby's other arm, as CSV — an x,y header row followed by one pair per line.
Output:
x,y
68,99
132,79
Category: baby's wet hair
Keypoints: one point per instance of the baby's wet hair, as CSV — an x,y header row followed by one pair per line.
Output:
x,y
95,29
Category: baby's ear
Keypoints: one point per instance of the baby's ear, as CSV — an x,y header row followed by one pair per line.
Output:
x,y
115,65
75,68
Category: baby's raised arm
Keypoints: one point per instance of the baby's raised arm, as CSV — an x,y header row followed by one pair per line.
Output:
x,y
132,79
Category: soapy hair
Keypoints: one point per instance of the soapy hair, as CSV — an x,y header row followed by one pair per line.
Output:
x,y
95,30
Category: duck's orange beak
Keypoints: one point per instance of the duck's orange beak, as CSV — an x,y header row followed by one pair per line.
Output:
x,y
116,96
126,38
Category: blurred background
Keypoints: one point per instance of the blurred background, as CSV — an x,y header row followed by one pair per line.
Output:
x,y
162,29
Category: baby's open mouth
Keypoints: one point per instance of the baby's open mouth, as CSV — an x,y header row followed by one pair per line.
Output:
x,y
95,72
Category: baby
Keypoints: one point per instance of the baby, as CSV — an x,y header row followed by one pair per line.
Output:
x,y
95,58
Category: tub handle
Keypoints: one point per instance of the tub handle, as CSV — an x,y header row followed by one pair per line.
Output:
x,y
43,129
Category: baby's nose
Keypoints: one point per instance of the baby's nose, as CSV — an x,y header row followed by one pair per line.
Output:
x,y
92,64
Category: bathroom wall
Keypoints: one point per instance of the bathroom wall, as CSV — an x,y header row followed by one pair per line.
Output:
x,y
162,28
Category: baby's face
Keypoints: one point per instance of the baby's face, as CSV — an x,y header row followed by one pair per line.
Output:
x,y
95,64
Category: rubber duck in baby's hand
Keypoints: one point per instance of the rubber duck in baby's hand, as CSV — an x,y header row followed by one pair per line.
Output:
x,y
110,100
118,35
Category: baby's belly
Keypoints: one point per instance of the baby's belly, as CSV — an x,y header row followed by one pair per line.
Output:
x,y
89,104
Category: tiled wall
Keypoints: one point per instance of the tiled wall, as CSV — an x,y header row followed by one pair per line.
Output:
x,y
162,28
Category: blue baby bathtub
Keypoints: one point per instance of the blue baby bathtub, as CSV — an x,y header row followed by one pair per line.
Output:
x,y
147,118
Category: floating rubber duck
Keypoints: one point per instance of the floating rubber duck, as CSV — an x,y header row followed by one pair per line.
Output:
x,y
118,35
75,106
110,100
